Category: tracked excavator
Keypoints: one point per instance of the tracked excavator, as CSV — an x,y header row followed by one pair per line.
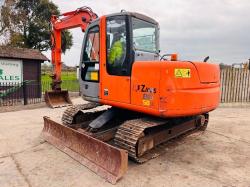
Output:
x,y
137,99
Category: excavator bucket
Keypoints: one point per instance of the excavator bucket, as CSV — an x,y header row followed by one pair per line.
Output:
x,y
56,99
104,159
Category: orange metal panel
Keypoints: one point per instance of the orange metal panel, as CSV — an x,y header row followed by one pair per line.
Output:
x,y
145,84
207,72
188,96
171,89
102,52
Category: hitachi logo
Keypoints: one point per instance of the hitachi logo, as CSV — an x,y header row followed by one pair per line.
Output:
x,y
143,88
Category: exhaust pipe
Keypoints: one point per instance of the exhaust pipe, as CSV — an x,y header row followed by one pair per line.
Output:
x,y
57,98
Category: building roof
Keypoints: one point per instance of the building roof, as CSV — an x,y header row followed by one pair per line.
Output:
x,y
21,53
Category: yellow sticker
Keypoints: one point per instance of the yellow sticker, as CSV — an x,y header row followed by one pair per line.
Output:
x,y
94,76
146,102
182,73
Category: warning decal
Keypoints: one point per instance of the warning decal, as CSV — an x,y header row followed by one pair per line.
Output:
x,y
182,73
94,76
146,102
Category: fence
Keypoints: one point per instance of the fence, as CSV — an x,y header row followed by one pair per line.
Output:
x,y
29,92
235,85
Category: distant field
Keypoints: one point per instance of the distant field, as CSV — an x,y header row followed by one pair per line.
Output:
x,y
69,81
65,76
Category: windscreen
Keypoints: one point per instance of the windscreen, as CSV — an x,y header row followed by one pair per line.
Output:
x,y
144,35
91,51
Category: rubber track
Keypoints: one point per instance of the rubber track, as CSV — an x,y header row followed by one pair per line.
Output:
x,y
129,133
69,113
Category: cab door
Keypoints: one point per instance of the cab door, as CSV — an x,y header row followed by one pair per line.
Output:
x,y
89,67
115,73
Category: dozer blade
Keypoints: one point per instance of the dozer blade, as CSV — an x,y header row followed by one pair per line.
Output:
x,y
56,99
105,160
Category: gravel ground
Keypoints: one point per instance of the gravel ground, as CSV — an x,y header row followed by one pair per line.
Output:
x,y
218,157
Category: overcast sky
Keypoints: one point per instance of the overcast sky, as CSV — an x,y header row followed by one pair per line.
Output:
x,y
194,29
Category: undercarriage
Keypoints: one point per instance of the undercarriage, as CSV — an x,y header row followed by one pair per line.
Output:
x,y
102,138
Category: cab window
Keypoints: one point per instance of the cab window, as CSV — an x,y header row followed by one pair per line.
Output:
x,y
90,65
144,35
116,45
91,51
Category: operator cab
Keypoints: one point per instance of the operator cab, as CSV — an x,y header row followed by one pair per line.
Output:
x,y
130,37
140,33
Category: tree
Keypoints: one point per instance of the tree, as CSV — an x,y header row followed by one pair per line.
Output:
x,y
7,20
29,24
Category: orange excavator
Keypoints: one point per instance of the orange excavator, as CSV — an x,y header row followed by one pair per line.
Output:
x,y
137,99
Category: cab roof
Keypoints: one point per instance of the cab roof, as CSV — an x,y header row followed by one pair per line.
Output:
x,y
136,15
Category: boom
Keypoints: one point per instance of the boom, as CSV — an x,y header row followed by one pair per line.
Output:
x,y
81,17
